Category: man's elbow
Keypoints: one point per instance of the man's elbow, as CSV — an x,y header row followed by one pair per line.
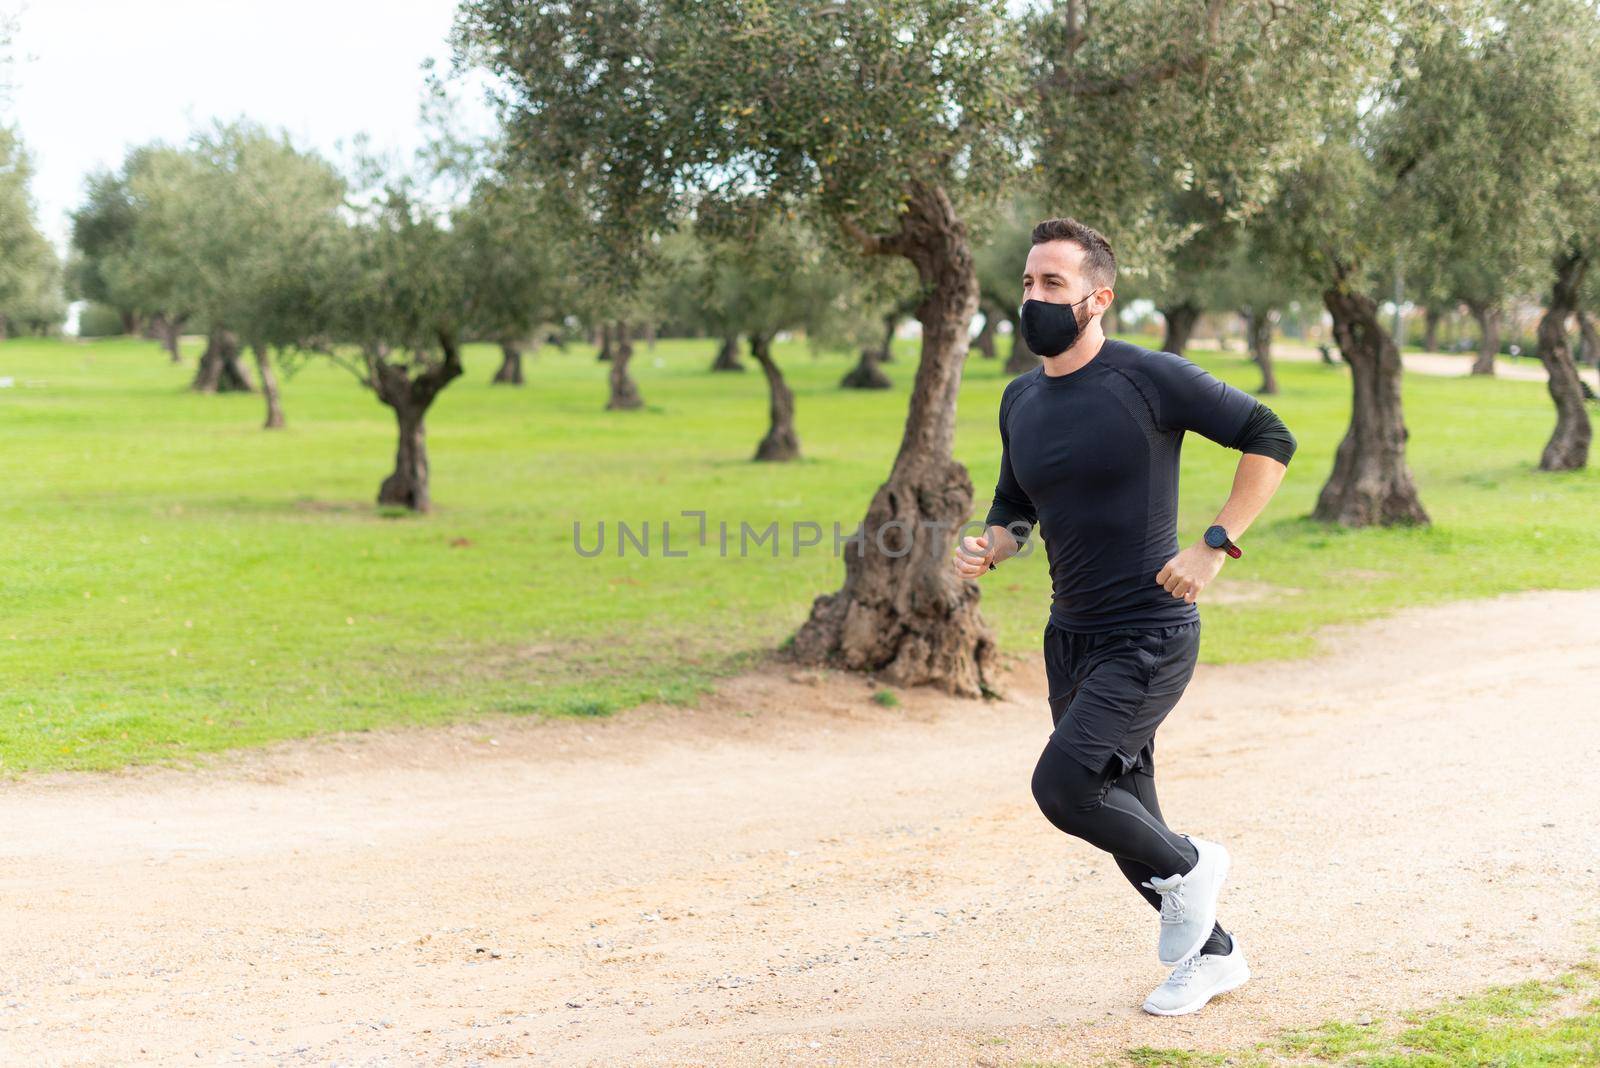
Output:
x,y
1280,445
1265,434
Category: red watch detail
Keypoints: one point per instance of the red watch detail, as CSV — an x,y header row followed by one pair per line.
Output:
x,y
1216,536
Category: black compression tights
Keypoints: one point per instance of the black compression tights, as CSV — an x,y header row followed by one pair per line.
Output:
x,y
1120,816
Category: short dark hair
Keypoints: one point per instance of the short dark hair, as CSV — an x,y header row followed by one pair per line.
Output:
x,y
1099,262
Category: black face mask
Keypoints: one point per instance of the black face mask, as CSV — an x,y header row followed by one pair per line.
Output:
x,y
1050,329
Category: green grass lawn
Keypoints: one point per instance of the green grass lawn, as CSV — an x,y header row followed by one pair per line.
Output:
x,y
179,581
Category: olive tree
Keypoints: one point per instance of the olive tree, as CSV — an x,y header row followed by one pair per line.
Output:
x,y
1216,106
763,273
272,209
1490,137
898,128
394,287
886,124
29,271
105,265
1248,282
517,265
217,229
999,259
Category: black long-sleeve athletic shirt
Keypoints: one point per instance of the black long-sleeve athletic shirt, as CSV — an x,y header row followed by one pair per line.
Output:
x,y
1092,457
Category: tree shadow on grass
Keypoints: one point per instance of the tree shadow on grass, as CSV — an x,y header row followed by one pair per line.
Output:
x,y
304,508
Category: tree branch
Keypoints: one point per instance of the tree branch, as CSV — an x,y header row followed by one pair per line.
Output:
x,y
340,361
1197,61
874,244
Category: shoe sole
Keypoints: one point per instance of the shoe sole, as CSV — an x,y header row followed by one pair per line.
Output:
x,y
1216,897
1200,1003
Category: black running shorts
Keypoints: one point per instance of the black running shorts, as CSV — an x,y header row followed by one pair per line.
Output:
x,y
1110,690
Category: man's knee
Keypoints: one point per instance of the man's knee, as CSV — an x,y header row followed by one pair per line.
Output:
x,y
1067,793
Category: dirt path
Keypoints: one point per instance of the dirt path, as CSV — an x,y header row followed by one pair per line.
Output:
x,y
1459,365
792,874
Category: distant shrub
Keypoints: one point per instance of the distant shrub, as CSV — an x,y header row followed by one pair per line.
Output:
x,y
99,320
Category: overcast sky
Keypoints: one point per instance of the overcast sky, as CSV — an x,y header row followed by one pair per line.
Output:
x,y
93,77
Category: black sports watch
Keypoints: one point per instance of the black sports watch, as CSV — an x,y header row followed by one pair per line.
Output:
x,y
1217,538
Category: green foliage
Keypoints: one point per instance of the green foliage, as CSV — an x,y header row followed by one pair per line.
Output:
x,y
102,229
1000,256
1170,119
514,261
99,320
762,272
229,228
396,280
1334,217
1470,161
30,282
640,109
1489,129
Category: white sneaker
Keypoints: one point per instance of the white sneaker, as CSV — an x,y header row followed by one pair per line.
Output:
x,y
1189,902
1197,980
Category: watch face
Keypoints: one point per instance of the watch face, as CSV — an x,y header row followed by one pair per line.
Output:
x,y
1216,537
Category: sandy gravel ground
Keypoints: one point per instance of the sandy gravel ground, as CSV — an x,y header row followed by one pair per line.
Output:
x,y
793,875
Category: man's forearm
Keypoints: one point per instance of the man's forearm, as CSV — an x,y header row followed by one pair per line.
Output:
x,y
1254,483
1002,544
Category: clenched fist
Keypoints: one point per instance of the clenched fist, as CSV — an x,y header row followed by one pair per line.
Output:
x,y
1186,574
974,555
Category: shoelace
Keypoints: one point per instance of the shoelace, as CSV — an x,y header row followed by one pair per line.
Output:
x,y
1172,902
1184,971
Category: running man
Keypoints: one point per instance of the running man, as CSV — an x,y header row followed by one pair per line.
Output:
x,y
1089,447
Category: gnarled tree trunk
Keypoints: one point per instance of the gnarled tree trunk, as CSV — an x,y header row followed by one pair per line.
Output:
x,y
269,387
407,485
890,323
1430,328
624,392
510,372
728,355
1488,317
903,612
1568,447
984,342
1258,335
167,329
1181,319
606,343
1371,483
411,395
866,374
1588,339
220,369
208,372
781,442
